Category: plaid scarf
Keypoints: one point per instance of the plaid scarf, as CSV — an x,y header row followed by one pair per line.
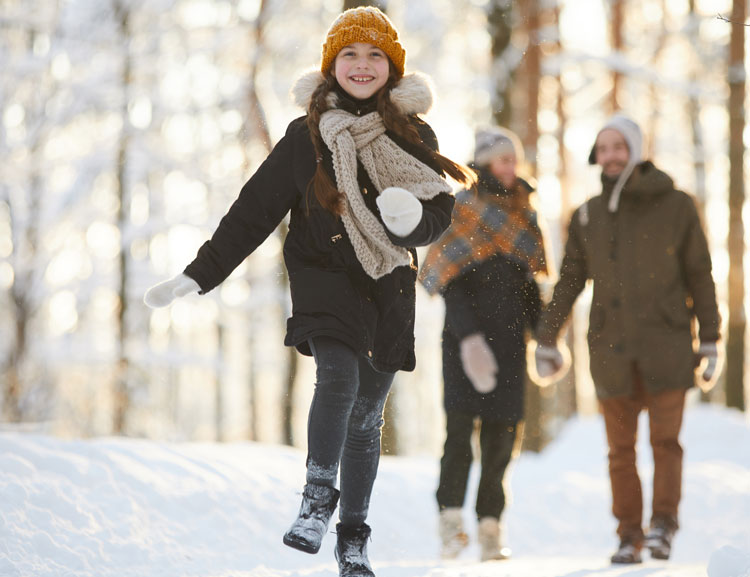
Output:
x,y
484,225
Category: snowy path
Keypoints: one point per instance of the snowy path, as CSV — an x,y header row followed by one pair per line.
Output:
x,y
536,567
123,507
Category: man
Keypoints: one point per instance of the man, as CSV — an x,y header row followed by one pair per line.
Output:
x,y
641,243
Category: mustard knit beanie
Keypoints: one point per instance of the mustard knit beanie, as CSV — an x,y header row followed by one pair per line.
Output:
x,y
365,24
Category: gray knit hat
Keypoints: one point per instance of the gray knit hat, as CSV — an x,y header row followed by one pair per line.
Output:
x,y
631,132
494,141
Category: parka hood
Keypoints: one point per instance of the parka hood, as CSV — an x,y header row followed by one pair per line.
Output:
x,y
645,181
412,94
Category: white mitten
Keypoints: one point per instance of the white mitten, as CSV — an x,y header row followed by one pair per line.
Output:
x,y
162,294
479,362
550,363
400,209
707,365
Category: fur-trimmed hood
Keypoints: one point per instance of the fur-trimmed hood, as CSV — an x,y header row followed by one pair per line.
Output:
x,y
412,94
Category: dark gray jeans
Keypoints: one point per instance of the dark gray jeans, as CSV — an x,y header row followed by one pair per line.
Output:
x,y
343,428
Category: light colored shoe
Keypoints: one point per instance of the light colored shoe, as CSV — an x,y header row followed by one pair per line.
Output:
x,y
489,540
452,535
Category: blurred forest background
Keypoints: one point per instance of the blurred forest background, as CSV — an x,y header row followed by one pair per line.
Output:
x,y
127,128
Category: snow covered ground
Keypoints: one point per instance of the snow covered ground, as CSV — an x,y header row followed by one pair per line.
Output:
x,y
125,507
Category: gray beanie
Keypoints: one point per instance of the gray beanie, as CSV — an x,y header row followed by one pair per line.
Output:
x,y
631,132
494,141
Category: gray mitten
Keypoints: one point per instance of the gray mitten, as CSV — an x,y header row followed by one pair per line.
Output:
x,y
707,365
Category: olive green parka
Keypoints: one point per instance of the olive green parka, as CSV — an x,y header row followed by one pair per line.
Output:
x,y
651,272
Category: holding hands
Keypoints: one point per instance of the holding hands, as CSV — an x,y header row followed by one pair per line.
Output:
x,y
550,364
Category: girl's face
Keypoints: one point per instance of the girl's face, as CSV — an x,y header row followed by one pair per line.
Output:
x,y
612,152
503,167
361,69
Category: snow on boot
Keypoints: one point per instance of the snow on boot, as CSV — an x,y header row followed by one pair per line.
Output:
x,y
489,540
307,531
659,537
628,553
351,551
452,535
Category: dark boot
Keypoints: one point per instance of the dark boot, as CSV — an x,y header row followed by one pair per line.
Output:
x,y
628,552
659,536
351,551
307,531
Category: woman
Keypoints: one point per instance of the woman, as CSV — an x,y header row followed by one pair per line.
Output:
x,y
483,268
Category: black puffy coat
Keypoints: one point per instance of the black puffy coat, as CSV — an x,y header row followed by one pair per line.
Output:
x,y
498,298
331,293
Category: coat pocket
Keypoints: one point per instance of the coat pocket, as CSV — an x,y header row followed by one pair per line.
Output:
x,y
674,312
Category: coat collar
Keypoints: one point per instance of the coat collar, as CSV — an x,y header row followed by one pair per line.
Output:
x,y
412,94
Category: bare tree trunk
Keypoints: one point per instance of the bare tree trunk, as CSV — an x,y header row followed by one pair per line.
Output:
x,y
500,28
654,90
26,241
260,127
22,292
121,391
20,295
253,410
528,77
618,7
12,390
699,152
291,366
525,99
219,388
567,386
735,372
382,4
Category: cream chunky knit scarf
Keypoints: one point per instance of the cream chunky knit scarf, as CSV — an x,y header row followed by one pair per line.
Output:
x,y
350,137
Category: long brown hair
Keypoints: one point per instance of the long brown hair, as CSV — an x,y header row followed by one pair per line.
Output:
x,y
329,197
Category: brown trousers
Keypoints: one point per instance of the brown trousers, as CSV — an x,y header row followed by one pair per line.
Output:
x,y
665,412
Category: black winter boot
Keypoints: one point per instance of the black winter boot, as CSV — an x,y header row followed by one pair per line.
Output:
x,y
307,531
351,551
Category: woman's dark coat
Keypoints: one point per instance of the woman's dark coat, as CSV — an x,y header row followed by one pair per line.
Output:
x,y
331,293
498,298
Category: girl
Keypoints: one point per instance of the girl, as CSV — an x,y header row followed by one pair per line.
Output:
x,y
483,267
365,184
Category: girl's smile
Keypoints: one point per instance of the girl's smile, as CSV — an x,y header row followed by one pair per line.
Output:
x,y
361,69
